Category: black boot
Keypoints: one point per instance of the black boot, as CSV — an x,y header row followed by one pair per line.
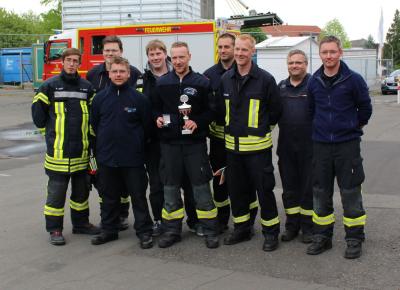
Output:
x,y
236,237
289,235
146,241
168,239
103,238
319,245
86,229
271,243
212,242
353,250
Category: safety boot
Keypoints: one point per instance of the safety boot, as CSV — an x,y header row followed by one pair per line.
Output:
x,y
271,243
168,239
56,238
146,241
103,238
319,245
353,250
212,242
306,238
123,224
86,229
289,235
236,237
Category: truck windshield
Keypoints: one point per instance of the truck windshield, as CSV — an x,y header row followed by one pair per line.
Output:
x,y
56,49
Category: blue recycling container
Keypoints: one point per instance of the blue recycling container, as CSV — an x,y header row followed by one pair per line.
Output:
x,y
10,65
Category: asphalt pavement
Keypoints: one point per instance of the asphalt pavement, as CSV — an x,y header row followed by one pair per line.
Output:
x,y
28,261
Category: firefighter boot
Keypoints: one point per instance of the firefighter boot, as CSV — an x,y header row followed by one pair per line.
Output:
x,y
168,239
237,237
56,238
271,243
353,250
319,245
289,235
212,242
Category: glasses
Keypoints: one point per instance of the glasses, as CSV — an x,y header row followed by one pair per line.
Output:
x,y
110,50
295,62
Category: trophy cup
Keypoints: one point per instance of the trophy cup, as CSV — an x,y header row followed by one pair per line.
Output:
x,y
185,110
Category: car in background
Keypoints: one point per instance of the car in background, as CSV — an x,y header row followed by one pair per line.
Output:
x,y
391,83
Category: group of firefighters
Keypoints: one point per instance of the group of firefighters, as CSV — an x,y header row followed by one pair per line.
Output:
x,y
152,128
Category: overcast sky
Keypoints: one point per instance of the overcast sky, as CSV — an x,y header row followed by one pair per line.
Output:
x,y
359,17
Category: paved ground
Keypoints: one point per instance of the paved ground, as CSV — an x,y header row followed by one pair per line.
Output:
x,y
29,262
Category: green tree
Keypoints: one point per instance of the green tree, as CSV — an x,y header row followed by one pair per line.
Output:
x,y
370,44
51,19
393,41
256,32
334,27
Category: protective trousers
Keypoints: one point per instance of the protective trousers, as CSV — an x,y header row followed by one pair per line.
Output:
x,y
56,194
343,161
134,181
248,173
221,198
176,159
295,168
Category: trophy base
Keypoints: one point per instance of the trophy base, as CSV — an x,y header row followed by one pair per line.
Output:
x,y
186,132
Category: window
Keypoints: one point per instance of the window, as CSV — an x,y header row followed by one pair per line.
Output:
x,y
97,46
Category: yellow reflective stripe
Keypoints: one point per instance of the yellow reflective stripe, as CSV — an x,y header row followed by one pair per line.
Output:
x,y
207,214
293,210
91,131
254,106
323,221
178,214
254,204
227,112
59,128
250,143
42,131
66,161
222,203
79,206
78,167
54,167
308,212
91,100
53,211
241,219
125,199
216,130
42,97
352,222
271,222
139,90
85,128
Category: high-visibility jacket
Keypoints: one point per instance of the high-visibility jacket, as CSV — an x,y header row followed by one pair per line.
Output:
x,y
252,105
61,107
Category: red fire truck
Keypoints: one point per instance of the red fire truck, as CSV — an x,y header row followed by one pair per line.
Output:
x,y
201,37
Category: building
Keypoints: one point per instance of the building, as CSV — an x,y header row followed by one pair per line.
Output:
x,y
292,30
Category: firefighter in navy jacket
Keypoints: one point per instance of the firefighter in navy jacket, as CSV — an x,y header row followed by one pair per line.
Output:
x,y
61,110
252,105
120,118
185,153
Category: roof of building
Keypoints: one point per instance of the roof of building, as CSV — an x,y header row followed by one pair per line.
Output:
x,y
282,41
291,30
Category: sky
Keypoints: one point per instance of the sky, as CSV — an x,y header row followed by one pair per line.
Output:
x,y
359,18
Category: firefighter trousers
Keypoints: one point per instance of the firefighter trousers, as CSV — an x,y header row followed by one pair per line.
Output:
x,y
56,194
295,168
249,173
343,161
176,159
134,181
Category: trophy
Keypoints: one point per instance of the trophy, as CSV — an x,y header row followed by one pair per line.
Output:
x,y
185,110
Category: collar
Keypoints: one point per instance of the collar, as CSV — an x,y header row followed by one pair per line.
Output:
x,y
70,78
252,73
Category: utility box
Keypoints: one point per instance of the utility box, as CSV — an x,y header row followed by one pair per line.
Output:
x,y
15,65
95,13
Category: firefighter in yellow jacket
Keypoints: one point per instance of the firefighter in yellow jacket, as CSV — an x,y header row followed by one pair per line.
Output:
x,y
252,106
61,110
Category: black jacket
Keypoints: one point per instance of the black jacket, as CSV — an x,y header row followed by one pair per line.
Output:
x,y
255,95
98,77
166,100
120,118
61,108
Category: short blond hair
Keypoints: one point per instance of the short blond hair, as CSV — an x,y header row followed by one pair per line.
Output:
x,y
247,37
156,44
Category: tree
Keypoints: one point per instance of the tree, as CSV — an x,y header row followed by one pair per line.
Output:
x,y
393,41
370,44
334,27
256,32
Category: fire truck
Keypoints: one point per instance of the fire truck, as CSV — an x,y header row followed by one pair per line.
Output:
x,y
201,37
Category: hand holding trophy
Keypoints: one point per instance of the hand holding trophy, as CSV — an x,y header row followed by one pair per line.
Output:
x,y
185,109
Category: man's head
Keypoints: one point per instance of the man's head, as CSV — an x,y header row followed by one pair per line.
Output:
x,y
71,59
297,63
156,54
330,51
119,71
226,43
180,57
112,47
244,49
